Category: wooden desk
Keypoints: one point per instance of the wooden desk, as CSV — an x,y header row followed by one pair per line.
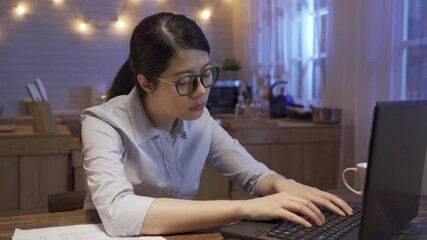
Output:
x,y
416,230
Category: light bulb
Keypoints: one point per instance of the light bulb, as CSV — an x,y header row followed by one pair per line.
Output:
x,y
20,9
206,14
120,23
58,1
83,26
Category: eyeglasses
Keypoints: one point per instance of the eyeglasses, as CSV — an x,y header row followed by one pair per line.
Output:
x,y
186,85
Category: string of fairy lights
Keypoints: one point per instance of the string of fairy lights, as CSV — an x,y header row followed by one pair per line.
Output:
x,y
119,21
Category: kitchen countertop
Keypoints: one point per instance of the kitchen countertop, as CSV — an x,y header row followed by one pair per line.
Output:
x,y
228,121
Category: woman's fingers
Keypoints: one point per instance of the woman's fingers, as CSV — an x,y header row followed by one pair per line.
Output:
x,y
305,208
288,215
333,203
310,210
286,206
316,196
343,206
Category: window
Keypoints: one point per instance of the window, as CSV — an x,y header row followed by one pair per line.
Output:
x,y
413,49
310,41
291,38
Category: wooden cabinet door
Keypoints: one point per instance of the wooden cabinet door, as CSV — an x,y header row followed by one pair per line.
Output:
x,y
320,164
213,185
9,183
41,175
287,160
262,153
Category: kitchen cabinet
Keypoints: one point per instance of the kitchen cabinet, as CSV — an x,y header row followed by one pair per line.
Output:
x,y
32,166
213,186
303,151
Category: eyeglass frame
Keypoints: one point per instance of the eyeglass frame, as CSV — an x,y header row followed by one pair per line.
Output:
x,y
197,78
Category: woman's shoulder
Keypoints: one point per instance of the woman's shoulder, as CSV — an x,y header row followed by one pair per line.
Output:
x,y
112,112
125,114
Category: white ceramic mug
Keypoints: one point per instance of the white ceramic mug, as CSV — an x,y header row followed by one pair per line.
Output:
x,y
360,169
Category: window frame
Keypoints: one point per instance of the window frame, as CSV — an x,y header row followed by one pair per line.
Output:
x,y
308,49
400,44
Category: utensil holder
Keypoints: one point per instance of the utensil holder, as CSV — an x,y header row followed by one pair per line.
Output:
x,y
43,119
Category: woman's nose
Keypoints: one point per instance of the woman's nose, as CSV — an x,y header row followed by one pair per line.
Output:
x,y
200,89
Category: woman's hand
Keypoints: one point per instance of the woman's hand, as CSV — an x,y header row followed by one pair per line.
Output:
x,y
293,201
318,197
282,205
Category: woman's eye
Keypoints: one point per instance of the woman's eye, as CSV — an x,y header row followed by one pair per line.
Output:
x,y
184,81
207,74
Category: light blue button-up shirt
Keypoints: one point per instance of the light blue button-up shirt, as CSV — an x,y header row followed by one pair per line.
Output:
x,y
128,163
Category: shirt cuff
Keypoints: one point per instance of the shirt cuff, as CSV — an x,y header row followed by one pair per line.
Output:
x,y
130,216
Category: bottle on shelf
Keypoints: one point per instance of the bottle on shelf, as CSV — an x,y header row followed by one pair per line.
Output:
x,y
256,110
239,109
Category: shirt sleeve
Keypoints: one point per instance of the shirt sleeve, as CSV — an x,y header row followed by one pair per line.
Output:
x,y
121,211
232,160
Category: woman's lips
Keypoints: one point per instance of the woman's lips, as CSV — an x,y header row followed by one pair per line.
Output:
x,y
198,107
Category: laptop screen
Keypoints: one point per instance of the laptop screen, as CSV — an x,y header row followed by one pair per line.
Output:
x,y
395,168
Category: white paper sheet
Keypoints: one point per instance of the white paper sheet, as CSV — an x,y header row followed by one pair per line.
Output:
x,y
73,232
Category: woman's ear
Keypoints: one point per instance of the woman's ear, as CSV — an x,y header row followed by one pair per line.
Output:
x,y
145,84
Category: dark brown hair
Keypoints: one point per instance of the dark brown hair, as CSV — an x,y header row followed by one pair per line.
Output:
x,y
154,41
124,81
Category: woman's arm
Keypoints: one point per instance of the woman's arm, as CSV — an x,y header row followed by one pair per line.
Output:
x,y
284,199
167,216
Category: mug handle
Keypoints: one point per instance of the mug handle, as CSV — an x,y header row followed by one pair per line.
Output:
x,y
347,184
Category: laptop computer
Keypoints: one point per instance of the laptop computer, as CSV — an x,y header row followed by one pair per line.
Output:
x,y
393,183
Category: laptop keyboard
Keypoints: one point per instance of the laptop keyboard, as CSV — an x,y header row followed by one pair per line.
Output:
x,y
335,227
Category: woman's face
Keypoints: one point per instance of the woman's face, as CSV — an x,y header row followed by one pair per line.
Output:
x,y
169,103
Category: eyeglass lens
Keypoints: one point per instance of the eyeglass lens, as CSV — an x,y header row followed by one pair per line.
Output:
x,y
187,84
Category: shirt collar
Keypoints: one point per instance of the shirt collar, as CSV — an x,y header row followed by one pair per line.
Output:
x,y
142,128
181,129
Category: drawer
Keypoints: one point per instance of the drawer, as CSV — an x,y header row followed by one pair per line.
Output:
x,y
255,136
309,135
35,145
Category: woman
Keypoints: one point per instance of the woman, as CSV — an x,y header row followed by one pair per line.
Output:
x,y
124,81
145,151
